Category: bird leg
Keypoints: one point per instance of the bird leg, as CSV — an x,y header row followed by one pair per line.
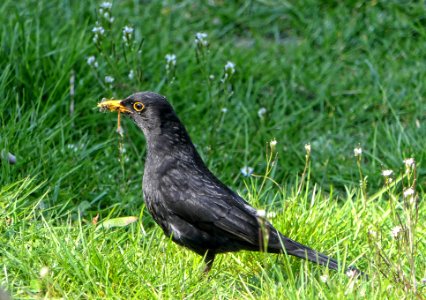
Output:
x,y
208,259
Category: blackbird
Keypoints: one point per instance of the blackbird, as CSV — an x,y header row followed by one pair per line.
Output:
x,y
192,205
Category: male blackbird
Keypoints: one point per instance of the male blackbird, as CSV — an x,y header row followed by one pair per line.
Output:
x,y
190,204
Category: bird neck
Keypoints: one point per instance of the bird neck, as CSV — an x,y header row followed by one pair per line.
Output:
x,y
170,139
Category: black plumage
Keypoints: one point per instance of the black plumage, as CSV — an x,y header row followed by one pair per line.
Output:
x,y
190,204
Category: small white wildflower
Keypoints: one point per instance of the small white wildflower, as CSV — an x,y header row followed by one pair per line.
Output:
x,y
230,67
308,148
111,20
98,30
44,271
91,61
261,213
109,79
273,144
127,33
211,77
387,173
224,110
106,5
358,151
170,61
271,214
246,171
171,58
261,112
395,231
200,39
131,75
128,30
409,162
106,15
324,278
201,35
417,123
73,147
409,192
372,233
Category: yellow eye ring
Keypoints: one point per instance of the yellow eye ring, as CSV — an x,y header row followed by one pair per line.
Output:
x,y
138,106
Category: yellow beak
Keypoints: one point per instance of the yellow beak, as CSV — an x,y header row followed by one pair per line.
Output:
x,y
112,105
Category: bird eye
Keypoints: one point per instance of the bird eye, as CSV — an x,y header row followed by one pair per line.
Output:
x,y
138,106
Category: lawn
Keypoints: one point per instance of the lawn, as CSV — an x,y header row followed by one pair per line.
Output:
x,y
339,87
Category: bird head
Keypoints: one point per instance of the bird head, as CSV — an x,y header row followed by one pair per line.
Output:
x,y
150,111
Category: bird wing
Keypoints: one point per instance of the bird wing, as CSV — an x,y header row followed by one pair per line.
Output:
x,y
203,201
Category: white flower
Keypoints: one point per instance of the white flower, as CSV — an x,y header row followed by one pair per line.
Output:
x,y
201,35
109,79
211,77
271,215
387,173
246,171
409,192
105,5
230,67
44,271
358,151
224,110
308,148
106,15
128,30
261,213
98,30
409,162
395,231
273,145
91,61
170,60
324,278
372,233
73,147
200,39
127,33
261,112
131,75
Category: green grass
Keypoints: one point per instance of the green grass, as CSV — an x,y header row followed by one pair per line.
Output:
x,y
335,76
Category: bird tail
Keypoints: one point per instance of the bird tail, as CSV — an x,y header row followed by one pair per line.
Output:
x,y
296,249
280,243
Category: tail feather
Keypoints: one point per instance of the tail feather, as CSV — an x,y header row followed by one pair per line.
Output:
x,y
296,249
279,243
